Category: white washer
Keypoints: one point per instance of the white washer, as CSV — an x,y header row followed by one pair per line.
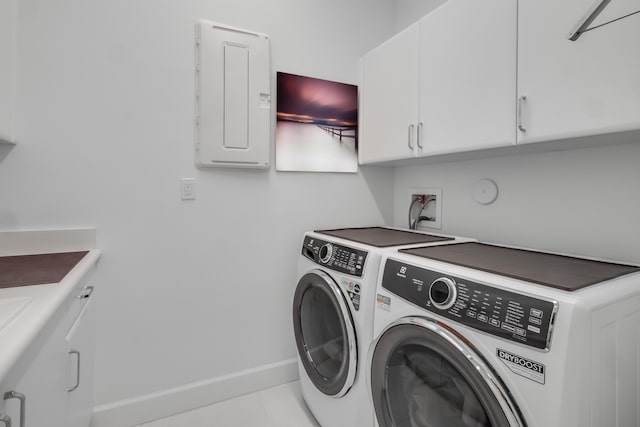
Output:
x,y
333,316
476,334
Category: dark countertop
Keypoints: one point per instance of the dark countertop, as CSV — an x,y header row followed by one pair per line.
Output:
x,y
25,270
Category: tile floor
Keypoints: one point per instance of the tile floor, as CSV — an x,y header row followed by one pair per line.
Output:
x,y
280,406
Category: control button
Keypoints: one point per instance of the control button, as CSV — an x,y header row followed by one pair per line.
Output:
x,y
356,288
443,293
536,313
521,332
495,322
325,252
535,320
533,329
508,327
482,318
471,313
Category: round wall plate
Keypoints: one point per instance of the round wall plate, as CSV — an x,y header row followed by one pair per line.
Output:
x,y
485,192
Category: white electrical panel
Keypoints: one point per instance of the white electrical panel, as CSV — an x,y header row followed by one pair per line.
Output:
x,y
233,97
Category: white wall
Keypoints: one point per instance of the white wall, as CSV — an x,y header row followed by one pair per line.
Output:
x,y
189,290
409,11
582,201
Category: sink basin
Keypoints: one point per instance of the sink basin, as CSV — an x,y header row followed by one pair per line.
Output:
x,y
10,308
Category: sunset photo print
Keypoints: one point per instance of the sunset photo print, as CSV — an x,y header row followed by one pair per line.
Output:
x,y
317,125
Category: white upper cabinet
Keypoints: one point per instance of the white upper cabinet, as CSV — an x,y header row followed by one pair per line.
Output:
x,y
589,86
7,70
389,99
446,84
493,73
467,76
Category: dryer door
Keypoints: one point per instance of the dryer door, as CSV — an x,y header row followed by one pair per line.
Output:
x,y
325,333
422,374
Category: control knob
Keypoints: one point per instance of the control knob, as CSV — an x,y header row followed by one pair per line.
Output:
x,y
443,293
325,253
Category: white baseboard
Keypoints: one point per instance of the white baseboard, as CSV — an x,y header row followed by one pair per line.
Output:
x,y
141,409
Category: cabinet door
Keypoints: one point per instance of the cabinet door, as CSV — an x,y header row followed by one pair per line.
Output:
x,y
388,99
575,88
40,377
80,378
468,76
7,70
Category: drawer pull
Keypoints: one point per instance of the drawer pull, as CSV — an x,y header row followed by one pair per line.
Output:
x,y
86,292
77,353
6,420
23,403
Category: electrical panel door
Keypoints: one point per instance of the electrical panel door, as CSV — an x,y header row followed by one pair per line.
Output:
x,y
233,97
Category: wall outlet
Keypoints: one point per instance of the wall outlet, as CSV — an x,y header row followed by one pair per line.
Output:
x,y
429,207
188,188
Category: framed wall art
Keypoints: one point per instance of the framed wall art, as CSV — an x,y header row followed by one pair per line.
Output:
x,y
317,125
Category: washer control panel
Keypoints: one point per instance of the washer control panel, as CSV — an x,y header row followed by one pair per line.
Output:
x,y
509,315
335,257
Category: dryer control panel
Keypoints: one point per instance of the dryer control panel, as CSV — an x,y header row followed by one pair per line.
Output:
x,y
509,315
336,257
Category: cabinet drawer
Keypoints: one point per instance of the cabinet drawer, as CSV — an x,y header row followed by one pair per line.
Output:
x,y
77,300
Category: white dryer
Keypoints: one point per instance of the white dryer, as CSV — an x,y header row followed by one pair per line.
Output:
x,y
333,316
475,334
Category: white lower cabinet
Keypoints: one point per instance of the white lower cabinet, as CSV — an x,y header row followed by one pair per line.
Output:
x,y
52,383
81,352
33,393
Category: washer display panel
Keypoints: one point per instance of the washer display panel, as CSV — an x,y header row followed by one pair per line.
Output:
x,y
505,314
422,375
325,334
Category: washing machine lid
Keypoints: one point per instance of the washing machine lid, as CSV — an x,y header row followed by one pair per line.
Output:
x,y
325,333
423,374
557,271
382,237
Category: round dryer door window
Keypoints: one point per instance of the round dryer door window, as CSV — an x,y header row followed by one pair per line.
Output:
x,y
325,334
423,375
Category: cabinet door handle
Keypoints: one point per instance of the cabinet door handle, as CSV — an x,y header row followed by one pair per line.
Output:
x,y
86,292
420,134
410,135
521,101
23,403
6,420
77,353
